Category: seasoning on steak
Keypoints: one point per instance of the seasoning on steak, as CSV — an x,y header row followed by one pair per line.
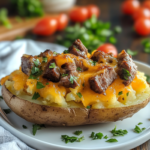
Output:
x,y
102,57
78,49
100,82
80,65
27,64
46,53
126,67
69,75
51,71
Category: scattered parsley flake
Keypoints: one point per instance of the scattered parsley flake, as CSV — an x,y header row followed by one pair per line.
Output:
x,y
78,132
47,83
55,53
32,77
148,78
140,123
112,140
7,111
128,94
45,59
93,62
80,139
137,129
79,94
120,93
88,107
63,75
36,95
132,53
35,128
37,62
72,78
105,137
95,136
25,127
78,50
39,85
52,65
119,132
126,74
79,69
35,70
71,139
83,84
66,51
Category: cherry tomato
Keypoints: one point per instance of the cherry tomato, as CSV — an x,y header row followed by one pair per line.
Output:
x,y
108,48
142,26
141,13
93,10
79,14
146,4
62,21
46,26
130,6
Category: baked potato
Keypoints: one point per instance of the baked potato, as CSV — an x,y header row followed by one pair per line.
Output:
x,y
75,88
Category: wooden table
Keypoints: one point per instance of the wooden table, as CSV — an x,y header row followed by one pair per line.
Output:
x,y
111,11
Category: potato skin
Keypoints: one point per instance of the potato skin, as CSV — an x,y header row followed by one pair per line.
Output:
x,y
57,116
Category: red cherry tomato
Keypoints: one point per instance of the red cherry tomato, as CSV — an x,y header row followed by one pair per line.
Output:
x,y
108,48
130,6
79,14
46,26
141,13
146,4
93,10
142,26
62,21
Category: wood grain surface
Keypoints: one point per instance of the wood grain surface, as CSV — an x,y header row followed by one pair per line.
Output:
x,y
111,11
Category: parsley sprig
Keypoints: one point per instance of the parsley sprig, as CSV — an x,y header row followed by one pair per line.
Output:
x,y
126,74
95,136
52,65
72,78
71,139
79,95
137,129
78,132
119,132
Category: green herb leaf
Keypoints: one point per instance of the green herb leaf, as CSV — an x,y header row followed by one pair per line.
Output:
x,y
128,94
148,78
93,62
55,53
105,137
39,85
1,97
36,95
126,74
120,93
140,123
147,50
37,62
25,127
78,132
79,69
112,40
72,78
79,94
67,138
83,84
7,111
63,75
132,53
80,139
112,140
118,29
137,129
35,70
95,136
45,59
88,107
66,51
32,77
47,83
35,128
52,65
119,132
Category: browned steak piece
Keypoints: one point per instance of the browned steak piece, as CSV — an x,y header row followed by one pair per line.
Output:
x,y
126,67
52,72
102,57
27,64
46,53
100,82
80,65
69,75
78,49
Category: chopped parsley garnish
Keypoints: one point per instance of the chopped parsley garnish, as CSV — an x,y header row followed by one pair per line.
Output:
x,y
79,94
39,85
1,97
132,53
79,69
88,107
72,78
126,74
128,94
66,51
78,132
37,62
32,77
52,65
148,78
35,128
63,75
7,111
119,132
117,29
105,137
120,93
137,129
146,44
71,139
93,62
140,123
112,140
36,95
45,59
47,83
83,84
95,136
78,50
55,53
25,127
35,70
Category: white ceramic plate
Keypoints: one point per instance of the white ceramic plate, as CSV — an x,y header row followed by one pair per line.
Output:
x,y
49,138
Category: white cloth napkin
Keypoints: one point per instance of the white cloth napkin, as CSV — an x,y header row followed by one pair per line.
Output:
x,y
10,60
10,142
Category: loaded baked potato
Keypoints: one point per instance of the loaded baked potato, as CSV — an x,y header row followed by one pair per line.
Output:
x,y
75,87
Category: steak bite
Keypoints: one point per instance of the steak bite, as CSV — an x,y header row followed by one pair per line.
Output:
x,y
100,82
69,75
27,62
126,68
102,57
80,65
46,53
78,49
51,71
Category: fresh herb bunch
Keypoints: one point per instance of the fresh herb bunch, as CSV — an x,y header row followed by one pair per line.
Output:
x,y
92,33
28,8
4,18
146,45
